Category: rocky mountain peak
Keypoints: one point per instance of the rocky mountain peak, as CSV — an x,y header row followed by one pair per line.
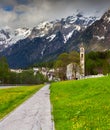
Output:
x,y
106,16
97,36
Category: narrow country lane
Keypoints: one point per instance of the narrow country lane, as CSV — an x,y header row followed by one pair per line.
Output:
x,y
34,114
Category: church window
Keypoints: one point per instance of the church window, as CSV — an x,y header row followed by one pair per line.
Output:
x,y
81,55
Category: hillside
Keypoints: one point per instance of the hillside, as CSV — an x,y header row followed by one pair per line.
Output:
x,y
43,42
97,36
81,104
47,40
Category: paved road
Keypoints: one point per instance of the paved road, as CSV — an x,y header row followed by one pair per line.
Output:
x,y
34,114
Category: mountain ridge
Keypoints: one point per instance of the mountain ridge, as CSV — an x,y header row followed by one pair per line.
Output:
x,y
47,40
97,36
9,36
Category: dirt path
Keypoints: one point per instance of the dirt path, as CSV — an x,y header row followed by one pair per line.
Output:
x,y
34,114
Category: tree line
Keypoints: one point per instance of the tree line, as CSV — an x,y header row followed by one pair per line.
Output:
x,y
95,63
25,77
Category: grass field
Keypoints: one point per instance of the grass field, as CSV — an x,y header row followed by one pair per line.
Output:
x,y
10,98
81,105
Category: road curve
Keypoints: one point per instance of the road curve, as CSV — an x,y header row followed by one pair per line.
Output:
x,y
34,114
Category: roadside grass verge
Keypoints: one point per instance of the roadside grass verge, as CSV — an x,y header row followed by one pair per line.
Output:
x,y
10,98
81,105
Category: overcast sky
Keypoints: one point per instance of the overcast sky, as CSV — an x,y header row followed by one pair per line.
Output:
x,y
29,13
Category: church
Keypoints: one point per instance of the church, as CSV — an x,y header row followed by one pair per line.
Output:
x,y
75,71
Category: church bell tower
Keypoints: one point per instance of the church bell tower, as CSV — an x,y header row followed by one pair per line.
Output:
x,y
82,60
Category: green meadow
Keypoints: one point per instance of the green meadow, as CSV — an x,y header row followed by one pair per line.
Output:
x,y
10,98
81,105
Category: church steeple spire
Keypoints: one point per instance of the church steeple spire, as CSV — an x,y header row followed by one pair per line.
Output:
x,y
82,59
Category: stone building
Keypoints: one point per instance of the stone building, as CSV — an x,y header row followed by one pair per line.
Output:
x,y
75,71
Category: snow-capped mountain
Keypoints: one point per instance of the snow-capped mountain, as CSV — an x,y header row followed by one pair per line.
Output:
x,y
67,26
9,36
97,36
45,42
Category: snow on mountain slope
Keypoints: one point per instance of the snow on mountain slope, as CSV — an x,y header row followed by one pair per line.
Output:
x,y
67,26
48,30
97,36
68,36
49,39
9,36
19,34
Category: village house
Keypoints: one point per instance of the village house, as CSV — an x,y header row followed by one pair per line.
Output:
x,y
16,70
49,73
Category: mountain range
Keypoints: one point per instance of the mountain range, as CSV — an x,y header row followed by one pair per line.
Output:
x,y
24,46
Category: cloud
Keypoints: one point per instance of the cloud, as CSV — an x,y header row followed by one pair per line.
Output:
x,y
28,13
7,17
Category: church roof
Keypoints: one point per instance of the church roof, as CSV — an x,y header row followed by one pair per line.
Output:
x,y
81,45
